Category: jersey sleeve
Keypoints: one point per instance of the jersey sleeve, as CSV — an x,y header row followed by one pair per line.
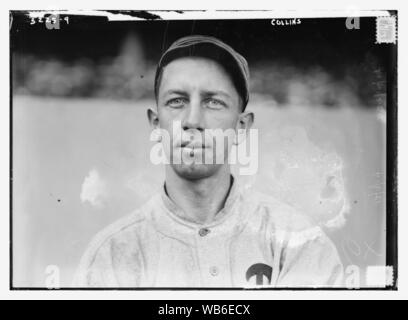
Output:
x,y
114,258
310,259
96,269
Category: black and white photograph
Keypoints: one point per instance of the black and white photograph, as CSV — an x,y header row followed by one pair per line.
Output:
x,y
203,150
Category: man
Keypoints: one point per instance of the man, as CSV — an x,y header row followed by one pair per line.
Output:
x,y
203,230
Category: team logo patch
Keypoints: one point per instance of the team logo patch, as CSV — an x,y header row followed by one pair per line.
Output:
x,y
262,272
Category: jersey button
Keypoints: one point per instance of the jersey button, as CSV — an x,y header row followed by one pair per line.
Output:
x,y
203,232
214,271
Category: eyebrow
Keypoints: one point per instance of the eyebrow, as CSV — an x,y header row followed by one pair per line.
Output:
x,y
204,93
178,92
217,92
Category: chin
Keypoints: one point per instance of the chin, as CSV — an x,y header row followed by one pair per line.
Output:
x,y
195,171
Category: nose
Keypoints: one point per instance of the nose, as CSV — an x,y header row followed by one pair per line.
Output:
x,y
193,118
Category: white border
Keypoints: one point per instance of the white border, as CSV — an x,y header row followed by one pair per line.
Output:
x,y
213,295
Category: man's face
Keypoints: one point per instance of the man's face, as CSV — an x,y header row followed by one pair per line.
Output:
x,y
196,94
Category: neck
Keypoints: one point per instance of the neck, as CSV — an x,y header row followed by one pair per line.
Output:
x,y
200,199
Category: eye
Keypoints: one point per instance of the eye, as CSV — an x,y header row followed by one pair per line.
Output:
x,y
215,104
176,102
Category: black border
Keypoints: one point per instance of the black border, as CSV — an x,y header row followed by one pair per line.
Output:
x,y
392,161
391,178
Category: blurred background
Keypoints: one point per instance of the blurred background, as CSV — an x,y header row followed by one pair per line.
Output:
x,y
81,138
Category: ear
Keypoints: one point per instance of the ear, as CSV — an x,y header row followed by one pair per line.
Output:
x,y
245,121
153,118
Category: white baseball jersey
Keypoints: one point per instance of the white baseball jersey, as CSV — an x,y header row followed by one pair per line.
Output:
x,y
255,240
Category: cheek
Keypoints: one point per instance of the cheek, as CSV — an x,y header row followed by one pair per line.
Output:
x,y
165,119
222,121
170,125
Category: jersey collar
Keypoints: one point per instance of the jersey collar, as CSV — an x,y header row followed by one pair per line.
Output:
x,y
177,213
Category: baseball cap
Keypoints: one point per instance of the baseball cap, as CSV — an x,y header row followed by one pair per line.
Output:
x,y
209,47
